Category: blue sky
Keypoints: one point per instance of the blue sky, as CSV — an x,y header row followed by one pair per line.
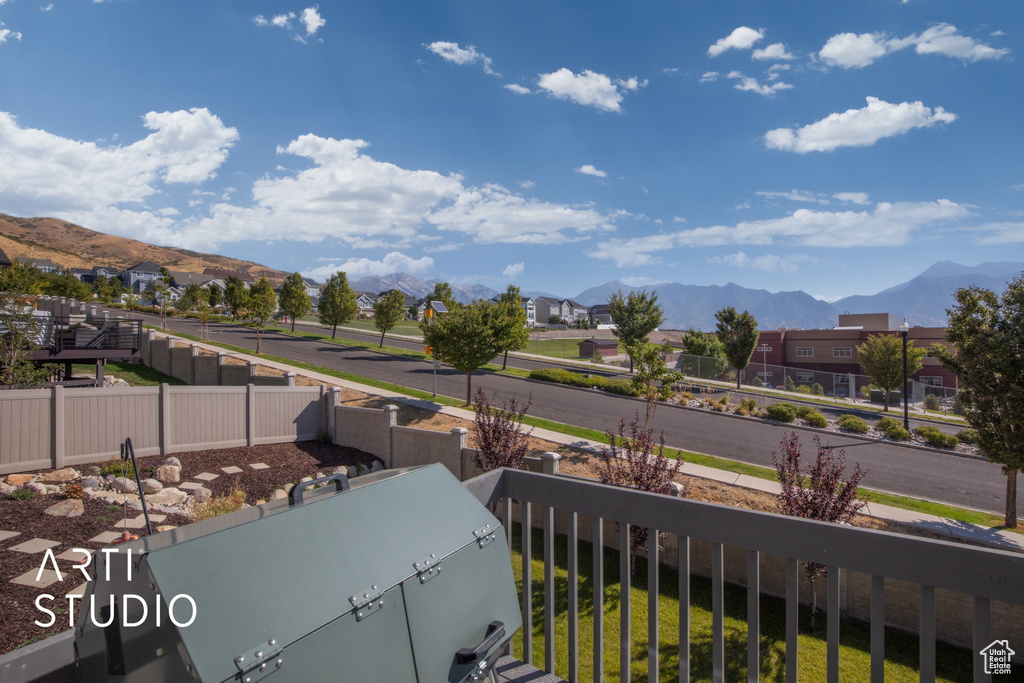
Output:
x,y
836,148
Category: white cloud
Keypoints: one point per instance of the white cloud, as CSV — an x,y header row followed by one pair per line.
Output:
x,y
588,169
394,262
887,225
588,88
852,51
312,20
7,34
852,197
260,20
639,281
283,20
773,51
525,184
743,38
751,85
857,127
45,8
709,77
795,196
517,89
59,174
514,270
766,262
1002,233
451,52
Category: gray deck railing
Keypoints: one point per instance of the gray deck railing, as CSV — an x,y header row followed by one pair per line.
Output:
x,y
985,574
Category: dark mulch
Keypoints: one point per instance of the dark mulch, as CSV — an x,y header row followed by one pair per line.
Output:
x,y
287,463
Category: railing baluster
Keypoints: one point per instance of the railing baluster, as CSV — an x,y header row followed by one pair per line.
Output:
x,y
624,586
832,623
792,617
549,590
653,558
506,518
597,537
527,550
717,612
982,635
574,598
927,631
753,616
684,608
878,628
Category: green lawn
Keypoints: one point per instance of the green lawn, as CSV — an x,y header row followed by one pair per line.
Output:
x,y
901,648
136,374
556,348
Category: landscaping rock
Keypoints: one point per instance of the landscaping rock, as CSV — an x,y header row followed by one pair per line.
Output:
x,y
202,494
173,462
110,477
92,483
377,466
72,507
168,496
318,475
165,527
168,474
52,488
151,486
278,494
677,489
20,479
7,488
61,476
340,470
38,488
305,479
124,485
91,471
288,488
353,472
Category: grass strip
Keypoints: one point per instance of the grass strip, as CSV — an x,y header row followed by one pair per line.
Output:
x,y
136,374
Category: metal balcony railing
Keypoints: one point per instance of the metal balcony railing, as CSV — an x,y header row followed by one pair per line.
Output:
x,y
982,573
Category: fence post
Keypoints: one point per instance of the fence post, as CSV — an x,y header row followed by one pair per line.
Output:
x,y
332,403
165,418
459,443
549,462
250,413
289,379
390,420
57,444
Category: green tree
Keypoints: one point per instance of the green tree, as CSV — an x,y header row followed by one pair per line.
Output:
x,y
21,278
215,296
161,294
131,303
635,315
66,285
510,323
443,293
107,288
387,311
708,349
652,376
881,357
204,312
464,338
190,298
738,334
19,331
337,303
262,305
236,295
986,332
294,300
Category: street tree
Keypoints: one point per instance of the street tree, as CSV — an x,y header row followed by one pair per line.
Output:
x,y
986,332
131,303
881,356
387,311
635,315
19,331
443,293
652,379
204,312
161,294
191,297
21,278
262,305
464,338
294,300
215,296
337,304
704,354
66,285
510,323
738,334
236,295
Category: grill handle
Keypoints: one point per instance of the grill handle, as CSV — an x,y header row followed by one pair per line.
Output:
x,y
495,633
340,483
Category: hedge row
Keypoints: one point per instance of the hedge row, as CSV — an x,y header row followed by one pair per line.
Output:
x,y
576,379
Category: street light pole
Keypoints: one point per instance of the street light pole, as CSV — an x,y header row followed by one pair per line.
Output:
x,y
904,328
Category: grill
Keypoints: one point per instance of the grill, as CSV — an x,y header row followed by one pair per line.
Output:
x,y
401,576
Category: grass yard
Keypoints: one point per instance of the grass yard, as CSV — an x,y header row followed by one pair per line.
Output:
x,y
901,649
136,374
556,348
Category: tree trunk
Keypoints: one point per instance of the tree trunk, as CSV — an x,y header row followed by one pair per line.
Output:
x,y
1011,500
505,362
293,323
382,340
737,381
814,603
469,388
334,331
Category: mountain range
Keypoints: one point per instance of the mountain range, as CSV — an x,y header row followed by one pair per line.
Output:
x,y
922,300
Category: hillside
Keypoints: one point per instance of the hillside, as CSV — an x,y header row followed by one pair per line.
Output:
x,y
73,246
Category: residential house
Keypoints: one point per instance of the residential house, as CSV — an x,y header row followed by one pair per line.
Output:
x,y
42,264
182,280
364,301
141,276
223,275
601,314
82,274
313,288
573,311
104,271
547,306
529,306
407,301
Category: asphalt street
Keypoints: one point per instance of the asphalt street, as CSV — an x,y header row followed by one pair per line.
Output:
x,y
963,481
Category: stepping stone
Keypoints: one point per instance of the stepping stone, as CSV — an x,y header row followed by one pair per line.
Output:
x,y
46,577
156,519
36,545
137,523
260,466
80,591
4,535
231,470
189,485
72,556
206,476
105,538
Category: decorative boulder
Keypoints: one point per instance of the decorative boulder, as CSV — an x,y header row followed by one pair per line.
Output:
x,y
168,474
20,479
172,461
61,476
72,507
168,496
377,466
92,482
278,494
151,486
677,489
202,494
353,472
124,485
91,471
37,488
340,470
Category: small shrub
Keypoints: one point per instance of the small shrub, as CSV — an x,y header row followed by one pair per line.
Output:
x,y
73,491
931,402
782,412
853,424
886,423
725,400
718,407
968,436
216,507
803,389
803,411
933,437
119,468
789,384
323,436
685,396
816,419
750,404
817,390
22,493
958,406
740,410
757,382
102,520
500,439
897,432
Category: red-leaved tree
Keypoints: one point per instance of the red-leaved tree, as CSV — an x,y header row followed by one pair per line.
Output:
x,y
821,493
500,439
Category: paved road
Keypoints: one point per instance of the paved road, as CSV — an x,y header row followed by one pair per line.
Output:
x,y
966,482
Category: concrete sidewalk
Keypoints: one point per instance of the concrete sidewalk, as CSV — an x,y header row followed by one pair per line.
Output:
x,y
952,527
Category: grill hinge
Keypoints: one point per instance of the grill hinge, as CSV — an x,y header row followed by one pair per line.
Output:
x,y
259,662
367,602
427,568
484,535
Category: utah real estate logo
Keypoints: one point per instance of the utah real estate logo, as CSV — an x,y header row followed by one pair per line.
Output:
x,y
997,657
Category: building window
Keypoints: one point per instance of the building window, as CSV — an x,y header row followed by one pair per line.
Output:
x,y
842,352
841,379
762,373
805,377
805,352
933,381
